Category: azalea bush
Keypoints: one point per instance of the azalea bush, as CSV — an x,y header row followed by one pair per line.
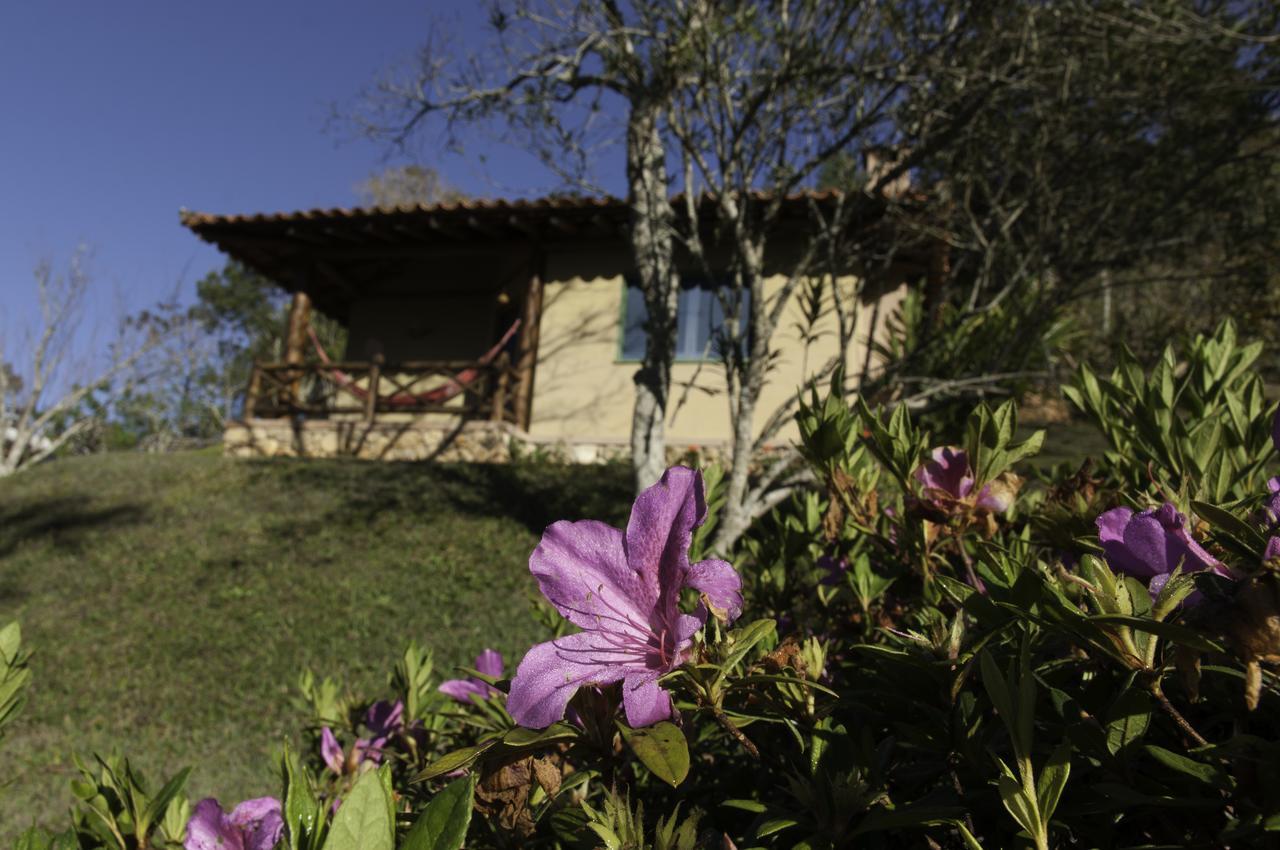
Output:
x,y
940,644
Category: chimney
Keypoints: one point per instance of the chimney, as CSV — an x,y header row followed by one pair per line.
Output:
x,y
878,161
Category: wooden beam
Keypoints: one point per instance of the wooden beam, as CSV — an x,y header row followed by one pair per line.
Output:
x,y
527,352
561,225
522,224
487,229
436,226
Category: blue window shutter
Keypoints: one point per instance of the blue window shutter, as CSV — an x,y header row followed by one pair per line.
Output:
x,y
699,320
634,315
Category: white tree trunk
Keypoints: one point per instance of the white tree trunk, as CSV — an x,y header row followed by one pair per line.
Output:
x,y
651,245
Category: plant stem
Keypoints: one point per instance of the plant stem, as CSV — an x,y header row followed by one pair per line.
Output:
x,y
738,734
1187,728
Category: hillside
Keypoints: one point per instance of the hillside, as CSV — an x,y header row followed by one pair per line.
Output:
x,y
172,600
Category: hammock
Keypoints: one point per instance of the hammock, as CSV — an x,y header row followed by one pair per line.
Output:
x,y
456,383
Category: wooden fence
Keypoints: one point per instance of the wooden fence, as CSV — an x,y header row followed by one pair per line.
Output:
x,y
470,389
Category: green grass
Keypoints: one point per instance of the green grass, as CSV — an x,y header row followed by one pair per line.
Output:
x,y
171,601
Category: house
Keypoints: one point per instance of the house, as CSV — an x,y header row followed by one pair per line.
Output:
x,y
477,325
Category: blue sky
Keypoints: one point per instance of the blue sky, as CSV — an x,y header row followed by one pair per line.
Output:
x,y
119,112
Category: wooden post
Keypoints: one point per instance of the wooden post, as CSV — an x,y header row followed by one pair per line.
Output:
x,y
251,396
502,371
530,320
295,342
371,400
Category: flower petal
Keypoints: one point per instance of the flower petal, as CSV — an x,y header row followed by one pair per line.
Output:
x,y
550,673
384,718
259,821
463,689
645,702
582,570
209,829
331,751
252,811
1132,545
720,583
948,471
490,663
660,530
1145,547
1111,524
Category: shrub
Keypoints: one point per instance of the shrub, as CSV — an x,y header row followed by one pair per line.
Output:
x,y
925,649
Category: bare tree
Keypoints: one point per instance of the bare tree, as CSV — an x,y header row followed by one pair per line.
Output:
x,y
556,69
44,408
1047,144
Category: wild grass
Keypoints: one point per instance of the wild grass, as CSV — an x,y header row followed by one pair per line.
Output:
x,y
171,601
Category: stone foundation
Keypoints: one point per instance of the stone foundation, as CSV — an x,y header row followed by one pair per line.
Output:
x,y
428,438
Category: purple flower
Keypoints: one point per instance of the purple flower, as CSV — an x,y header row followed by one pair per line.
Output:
x,y
489,663
835,569
384,719
947,474
363,750
1151,544
949,478
1268,517
623,590
252,825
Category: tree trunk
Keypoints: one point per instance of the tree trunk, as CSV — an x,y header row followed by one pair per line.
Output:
x,y
651,247
296,341
737,512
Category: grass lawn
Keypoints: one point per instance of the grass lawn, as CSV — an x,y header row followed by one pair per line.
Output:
x,y
172,600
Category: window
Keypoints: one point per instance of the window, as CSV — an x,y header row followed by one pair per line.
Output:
x,y
699,320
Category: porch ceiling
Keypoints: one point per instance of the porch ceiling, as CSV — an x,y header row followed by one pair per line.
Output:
x,y
335,255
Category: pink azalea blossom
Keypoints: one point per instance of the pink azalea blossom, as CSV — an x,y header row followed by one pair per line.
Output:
x,y
490,663
622,589
252,825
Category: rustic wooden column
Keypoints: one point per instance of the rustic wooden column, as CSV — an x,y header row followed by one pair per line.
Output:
x,y
295,342
527,351
371,400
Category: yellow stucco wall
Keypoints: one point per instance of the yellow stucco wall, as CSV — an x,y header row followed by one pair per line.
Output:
x,y
584,392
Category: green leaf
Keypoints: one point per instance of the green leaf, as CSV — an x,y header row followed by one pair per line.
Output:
x,y
773,825
662,748
363,821
1178,634
443,823
10,641
997,689
743,640
753,806
1053,778
1015,800
1198,771
156,808
1228,523
881,819
456,760
1127,720
521,738
301,808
